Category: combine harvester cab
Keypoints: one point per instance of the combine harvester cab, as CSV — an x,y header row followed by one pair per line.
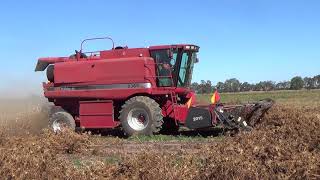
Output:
x,y
140,90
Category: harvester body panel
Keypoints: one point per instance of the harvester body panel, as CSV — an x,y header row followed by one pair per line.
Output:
x,y
102,72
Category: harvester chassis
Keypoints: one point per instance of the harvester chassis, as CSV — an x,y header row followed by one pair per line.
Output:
x,y
136,89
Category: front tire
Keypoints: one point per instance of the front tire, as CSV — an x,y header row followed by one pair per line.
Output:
x,y
141,115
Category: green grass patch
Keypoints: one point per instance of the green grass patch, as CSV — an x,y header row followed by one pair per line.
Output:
x,y
112,160
77,163
164,138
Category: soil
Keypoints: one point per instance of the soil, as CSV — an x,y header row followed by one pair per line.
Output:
x,y
284,145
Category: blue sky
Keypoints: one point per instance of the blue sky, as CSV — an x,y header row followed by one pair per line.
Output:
x,y
251,40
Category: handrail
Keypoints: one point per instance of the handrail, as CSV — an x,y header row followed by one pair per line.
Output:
x,y
91,39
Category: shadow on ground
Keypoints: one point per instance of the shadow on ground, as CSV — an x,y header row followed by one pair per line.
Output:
x,y
212,132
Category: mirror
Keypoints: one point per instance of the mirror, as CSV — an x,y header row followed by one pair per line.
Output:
x,y
195,58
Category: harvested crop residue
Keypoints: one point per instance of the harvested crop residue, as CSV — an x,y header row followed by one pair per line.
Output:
x,y
285,145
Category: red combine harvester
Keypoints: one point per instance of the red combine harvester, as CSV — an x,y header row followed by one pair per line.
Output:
x,y
141,90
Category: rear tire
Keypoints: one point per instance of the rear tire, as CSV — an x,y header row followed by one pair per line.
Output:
x,y
60,120
141,115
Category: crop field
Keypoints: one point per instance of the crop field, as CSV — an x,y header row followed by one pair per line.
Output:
x,y
285,145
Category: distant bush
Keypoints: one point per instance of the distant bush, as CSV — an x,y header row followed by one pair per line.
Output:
x,y
234,85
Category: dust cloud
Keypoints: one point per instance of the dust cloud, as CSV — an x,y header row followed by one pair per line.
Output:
x,y
22,110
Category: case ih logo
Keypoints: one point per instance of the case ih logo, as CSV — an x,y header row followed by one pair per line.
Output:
x,y
198,118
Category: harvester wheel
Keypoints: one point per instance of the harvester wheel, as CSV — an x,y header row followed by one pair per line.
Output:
x,y
141,115
61,120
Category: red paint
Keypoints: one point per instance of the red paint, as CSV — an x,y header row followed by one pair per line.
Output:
x,y
97,114
124,68
125,53
105,71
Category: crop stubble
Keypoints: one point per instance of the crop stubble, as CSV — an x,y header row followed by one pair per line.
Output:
x,y
286,144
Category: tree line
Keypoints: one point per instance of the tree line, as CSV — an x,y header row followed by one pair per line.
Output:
x,y
234,85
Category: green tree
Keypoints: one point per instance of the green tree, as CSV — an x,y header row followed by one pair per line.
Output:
x,y
258,87
296,83
308,83
232,85
208,87
283,85
205,87
268,85
245,87
195,87
317,81
220,86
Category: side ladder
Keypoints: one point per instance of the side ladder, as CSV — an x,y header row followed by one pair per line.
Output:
x,y
174,98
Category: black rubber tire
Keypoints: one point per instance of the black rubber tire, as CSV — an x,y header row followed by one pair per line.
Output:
x,y
154,112
50,73
62,117
51,109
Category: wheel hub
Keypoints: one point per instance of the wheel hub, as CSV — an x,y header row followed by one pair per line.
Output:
x,y
58,126
138,119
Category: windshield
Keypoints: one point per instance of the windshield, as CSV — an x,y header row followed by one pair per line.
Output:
x,y
165,66
175,70
186,69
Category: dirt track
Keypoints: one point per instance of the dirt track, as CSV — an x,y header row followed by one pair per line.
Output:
x,y
285,145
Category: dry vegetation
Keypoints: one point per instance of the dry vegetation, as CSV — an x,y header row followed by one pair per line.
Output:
x,y
285,145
